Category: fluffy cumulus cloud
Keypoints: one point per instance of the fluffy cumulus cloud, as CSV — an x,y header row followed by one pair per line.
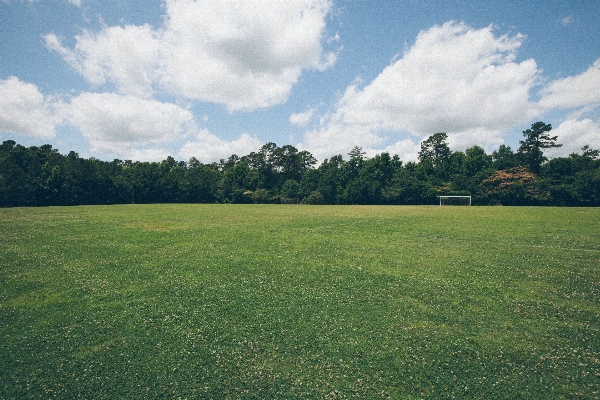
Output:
x,y
335,136
573,134
25,111
303,118
127,56
406,149
243,54
122,125
582,90
210,148
580,95
249,54
454,79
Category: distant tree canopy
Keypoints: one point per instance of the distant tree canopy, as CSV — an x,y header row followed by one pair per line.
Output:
x,y
40,176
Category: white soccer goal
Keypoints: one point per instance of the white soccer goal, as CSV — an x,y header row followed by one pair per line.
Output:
x,y
289,200
455,200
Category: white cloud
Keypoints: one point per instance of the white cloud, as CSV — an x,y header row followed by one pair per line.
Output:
x,y
127,56
156,154
243,54
574,91
487,138
581,95
573,134
303,118
25,111
566,21
123,125
406,149
336,137
250,53
210,148
454,79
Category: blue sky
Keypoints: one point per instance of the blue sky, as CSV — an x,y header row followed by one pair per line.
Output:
x,y
143,80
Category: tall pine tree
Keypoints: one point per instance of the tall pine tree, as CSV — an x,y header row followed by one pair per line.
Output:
x,y
536,139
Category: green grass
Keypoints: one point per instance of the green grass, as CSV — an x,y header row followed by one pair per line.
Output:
x,y
234,301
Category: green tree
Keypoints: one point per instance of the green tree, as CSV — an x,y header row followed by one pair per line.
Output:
x,y
574,180
476,161
315,197
290,189
309,182
410,186
456,163
536,139
435,148
504,158
201,182
329,180
265,162
172,181
236,182
589,153
143,180
352,167
374,175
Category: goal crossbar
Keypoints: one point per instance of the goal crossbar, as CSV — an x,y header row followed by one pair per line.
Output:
x,y
455,197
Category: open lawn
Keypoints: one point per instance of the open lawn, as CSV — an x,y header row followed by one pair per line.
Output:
x,y
266,301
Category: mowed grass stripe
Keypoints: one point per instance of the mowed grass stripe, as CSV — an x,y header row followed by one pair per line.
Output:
x,y
253,301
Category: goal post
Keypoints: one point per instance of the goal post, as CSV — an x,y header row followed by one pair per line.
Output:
x,y
455,200
289,200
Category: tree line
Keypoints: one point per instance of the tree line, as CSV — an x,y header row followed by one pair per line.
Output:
x,y
41,176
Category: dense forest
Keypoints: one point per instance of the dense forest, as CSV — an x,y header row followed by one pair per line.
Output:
x,y
41,176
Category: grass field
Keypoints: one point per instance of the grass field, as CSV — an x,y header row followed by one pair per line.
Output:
x,y
251,301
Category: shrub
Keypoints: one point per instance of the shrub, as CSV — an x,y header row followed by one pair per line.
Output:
x,y
314,198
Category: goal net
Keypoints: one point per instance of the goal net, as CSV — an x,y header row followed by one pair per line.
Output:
x,y
289,200
455,200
